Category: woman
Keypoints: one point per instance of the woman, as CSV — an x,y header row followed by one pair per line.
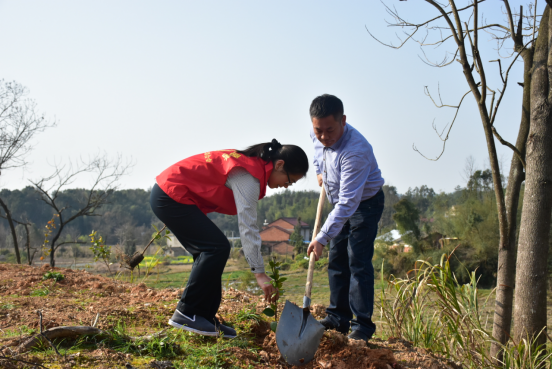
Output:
x,y
228,182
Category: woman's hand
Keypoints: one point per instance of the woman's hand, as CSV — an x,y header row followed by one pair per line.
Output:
x,y
264,283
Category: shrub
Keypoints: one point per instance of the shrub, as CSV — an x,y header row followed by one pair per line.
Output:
x,y
321,263
285,266
301,264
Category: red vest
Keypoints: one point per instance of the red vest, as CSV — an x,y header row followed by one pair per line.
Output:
x,y
200,179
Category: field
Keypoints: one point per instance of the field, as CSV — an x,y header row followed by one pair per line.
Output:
x,y
130,327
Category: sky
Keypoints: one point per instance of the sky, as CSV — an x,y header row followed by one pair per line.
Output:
x,y
158,81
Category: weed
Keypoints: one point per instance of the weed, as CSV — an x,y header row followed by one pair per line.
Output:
x,y
7,306
56,276
248,314
40,292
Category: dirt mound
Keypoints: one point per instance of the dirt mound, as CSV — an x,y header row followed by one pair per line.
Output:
x,y
82,297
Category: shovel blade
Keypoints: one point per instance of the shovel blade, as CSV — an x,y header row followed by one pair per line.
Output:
x,y
298,335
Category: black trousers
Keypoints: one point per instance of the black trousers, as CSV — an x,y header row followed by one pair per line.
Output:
x,y
208,246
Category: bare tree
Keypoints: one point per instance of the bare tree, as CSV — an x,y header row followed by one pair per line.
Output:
x,y
19,123
104,173
469,169
532,276
26,224
461,28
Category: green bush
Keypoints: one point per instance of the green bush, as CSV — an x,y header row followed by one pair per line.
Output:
x,y
301,264
285,266
321,263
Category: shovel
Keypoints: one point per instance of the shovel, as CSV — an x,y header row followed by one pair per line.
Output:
x,y
298,334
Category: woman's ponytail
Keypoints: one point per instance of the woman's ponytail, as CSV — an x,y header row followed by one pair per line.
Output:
x,y
295,159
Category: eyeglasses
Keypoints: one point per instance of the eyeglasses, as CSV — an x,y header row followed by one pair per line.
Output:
x,y
289,183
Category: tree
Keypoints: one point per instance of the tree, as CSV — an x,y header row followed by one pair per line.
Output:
x,y
407,217
532,272
19,123
105,174
25,224
466,47
296,239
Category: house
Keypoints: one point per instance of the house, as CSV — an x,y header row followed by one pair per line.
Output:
x,y
289,224
283,248
174,247
276,235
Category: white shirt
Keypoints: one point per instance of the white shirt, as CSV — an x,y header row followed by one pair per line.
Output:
x,y
245,189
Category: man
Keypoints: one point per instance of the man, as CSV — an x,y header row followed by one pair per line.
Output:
x,y
346,166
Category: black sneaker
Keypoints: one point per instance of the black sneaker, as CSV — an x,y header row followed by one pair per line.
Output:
x,y
358,336
329,326
227,331
196,324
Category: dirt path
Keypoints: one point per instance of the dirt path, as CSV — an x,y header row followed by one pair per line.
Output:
x,y
80,296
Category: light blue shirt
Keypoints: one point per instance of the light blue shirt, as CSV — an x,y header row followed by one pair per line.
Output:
x,y
350,175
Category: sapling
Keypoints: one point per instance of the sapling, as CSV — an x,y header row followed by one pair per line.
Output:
x,y
100,250
277,282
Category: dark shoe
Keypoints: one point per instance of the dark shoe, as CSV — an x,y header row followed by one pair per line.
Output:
x,y
358,335
196,324
329,326
227,331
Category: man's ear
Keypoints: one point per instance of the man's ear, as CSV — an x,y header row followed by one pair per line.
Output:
x,y
344,120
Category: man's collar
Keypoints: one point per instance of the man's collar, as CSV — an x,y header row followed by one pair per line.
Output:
x,y
339,143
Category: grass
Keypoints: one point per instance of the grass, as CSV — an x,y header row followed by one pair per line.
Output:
x,y
433,310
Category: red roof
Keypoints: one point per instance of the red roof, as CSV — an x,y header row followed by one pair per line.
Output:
x,y
277,227
292,221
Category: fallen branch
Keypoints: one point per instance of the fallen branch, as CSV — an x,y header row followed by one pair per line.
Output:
x,y
73,332
57,332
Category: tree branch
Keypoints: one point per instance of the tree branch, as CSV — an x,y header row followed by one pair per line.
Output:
x,y
450,126
511,146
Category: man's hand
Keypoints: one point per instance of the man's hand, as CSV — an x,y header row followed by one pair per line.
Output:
x,y
316,247
320,179
264,283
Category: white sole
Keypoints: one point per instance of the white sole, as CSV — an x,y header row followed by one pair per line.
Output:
x,y
186,328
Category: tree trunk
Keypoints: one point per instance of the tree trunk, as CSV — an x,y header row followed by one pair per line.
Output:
x,y
531,278
53,244
29,257
12,228
506,262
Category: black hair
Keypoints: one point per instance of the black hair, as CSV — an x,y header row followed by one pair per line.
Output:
x,y
295,159
325,105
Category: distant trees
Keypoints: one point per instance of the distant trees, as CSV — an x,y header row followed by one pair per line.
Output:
x,y
105,174
407,217
19,123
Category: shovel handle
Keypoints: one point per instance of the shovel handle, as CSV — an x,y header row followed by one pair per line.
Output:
x,y
317,227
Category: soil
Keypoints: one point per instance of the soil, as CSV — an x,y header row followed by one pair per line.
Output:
x,y
81,296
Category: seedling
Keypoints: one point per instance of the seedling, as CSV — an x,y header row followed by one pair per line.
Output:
x,y
277,282
99,249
